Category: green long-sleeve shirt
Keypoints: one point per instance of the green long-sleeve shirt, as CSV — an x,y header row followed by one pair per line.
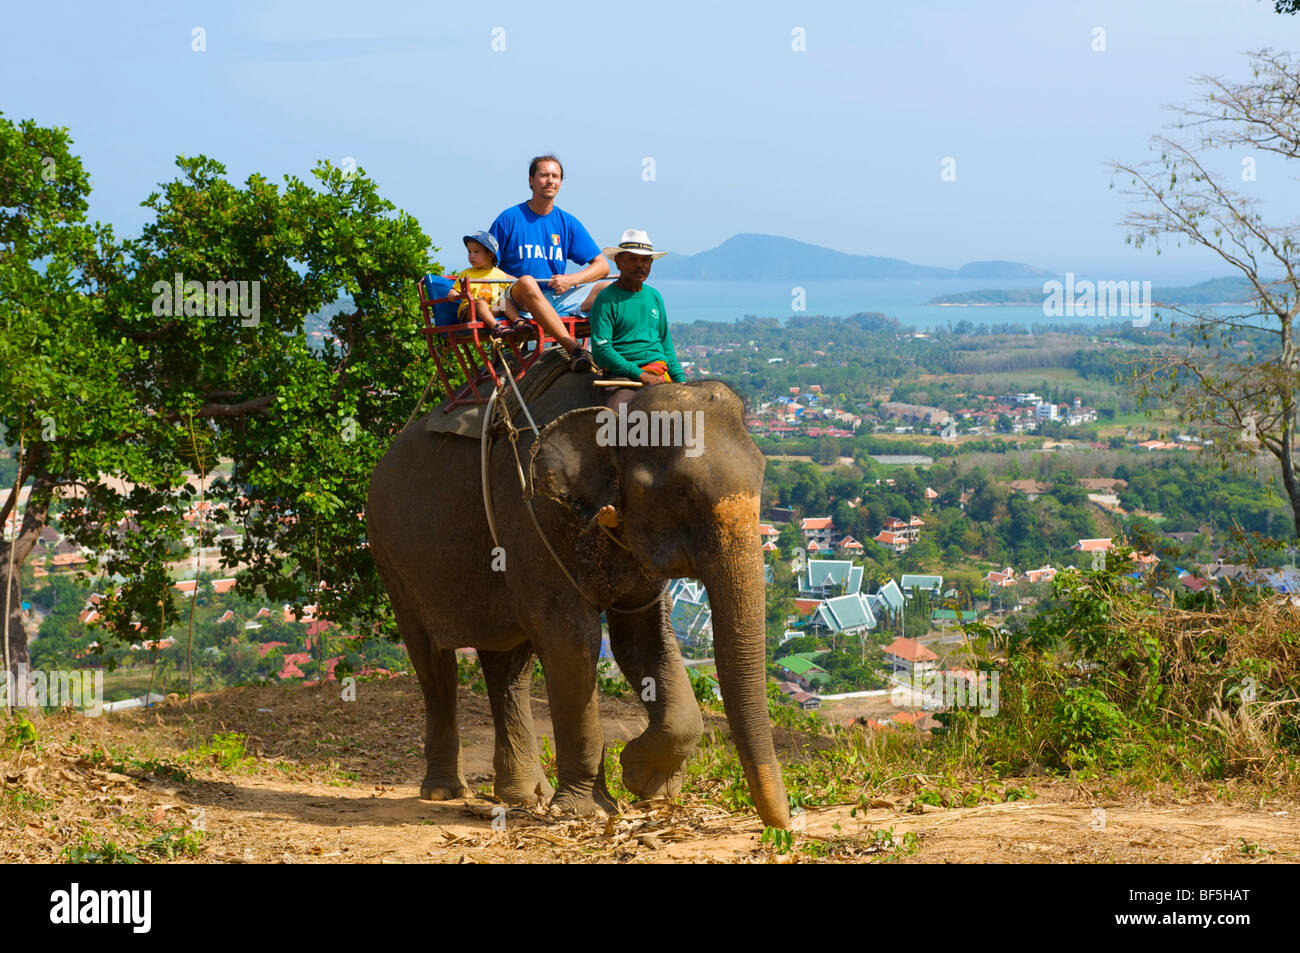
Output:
x,y
629,329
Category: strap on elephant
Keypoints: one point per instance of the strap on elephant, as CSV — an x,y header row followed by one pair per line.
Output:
x,y
512,433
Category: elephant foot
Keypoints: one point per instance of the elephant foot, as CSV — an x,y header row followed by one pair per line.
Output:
x,y
438,786
527,792
575,804
649,777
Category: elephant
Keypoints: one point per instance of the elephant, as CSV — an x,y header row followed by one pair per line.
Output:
x,y
622,519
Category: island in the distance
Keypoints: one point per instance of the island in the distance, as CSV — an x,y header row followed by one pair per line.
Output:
x,y
773,258
1217,291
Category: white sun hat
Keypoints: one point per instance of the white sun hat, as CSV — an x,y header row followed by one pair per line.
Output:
x,y
635,242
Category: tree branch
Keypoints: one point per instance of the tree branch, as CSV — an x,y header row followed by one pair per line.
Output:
x,y
254,405
29,466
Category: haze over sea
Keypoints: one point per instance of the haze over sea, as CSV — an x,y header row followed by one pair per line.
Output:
x,y
904,299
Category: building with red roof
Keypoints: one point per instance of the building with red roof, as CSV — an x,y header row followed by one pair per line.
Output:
x,y
819,530
907,656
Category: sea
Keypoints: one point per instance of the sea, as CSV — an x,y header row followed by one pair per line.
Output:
x,y
905,300
902,299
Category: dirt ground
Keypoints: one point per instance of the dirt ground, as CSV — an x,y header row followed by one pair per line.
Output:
x,y
329,781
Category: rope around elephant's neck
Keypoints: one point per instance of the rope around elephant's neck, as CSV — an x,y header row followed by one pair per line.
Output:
x,y
512,432
485,444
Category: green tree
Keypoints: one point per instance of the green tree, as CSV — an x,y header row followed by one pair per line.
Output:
x,y
135,384
303,424
1066,488
845,517
922,556
789,539
69,399
779,599
826,451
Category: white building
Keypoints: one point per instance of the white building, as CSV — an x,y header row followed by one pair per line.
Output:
x,y
819,530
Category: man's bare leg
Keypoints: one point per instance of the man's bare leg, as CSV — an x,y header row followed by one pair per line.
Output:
x,y
528,297
590,300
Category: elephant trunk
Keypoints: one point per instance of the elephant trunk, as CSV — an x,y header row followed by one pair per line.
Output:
x,y
732,572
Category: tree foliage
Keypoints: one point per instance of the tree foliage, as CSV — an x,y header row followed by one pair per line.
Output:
x,y
117,387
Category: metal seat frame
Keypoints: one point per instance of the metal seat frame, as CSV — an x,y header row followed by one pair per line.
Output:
x,y
470,345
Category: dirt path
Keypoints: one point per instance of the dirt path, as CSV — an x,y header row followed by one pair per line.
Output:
x,y
260,821
331,781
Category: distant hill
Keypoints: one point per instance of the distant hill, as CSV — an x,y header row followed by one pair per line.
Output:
x,y
1233,289
1229,290
1001,269
759,257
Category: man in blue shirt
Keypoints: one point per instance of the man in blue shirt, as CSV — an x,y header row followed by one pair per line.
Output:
x,y
536,239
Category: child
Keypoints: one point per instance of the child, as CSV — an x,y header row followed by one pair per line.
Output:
x,y
487,300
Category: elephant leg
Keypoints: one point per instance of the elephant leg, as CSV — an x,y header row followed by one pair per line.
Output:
x,y
436,669
519,775
646,650
569,652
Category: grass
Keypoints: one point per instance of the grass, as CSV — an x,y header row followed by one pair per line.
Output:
x,y
174,842
468,672
549,764
127,682
20,734
1031,378
614,772
612,686
877,845
22,800
341,777
225,750
124,762
1163,711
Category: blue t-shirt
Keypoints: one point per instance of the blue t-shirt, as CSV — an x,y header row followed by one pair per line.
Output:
x,y
538,245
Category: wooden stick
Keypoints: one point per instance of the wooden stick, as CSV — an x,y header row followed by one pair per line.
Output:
x,y
618,383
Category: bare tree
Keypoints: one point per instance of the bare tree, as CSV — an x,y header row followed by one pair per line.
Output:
x,y
1218,375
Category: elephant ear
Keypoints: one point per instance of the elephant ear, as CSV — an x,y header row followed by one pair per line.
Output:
x,y
569,464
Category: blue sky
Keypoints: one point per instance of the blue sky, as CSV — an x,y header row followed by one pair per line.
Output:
x,y
840,144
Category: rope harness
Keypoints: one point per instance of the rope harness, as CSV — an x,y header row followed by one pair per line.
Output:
x,y
512,433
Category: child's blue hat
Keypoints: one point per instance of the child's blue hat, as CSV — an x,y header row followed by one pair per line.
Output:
x,y
487,240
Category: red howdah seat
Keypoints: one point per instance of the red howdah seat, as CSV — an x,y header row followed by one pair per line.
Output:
x,y
467,343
